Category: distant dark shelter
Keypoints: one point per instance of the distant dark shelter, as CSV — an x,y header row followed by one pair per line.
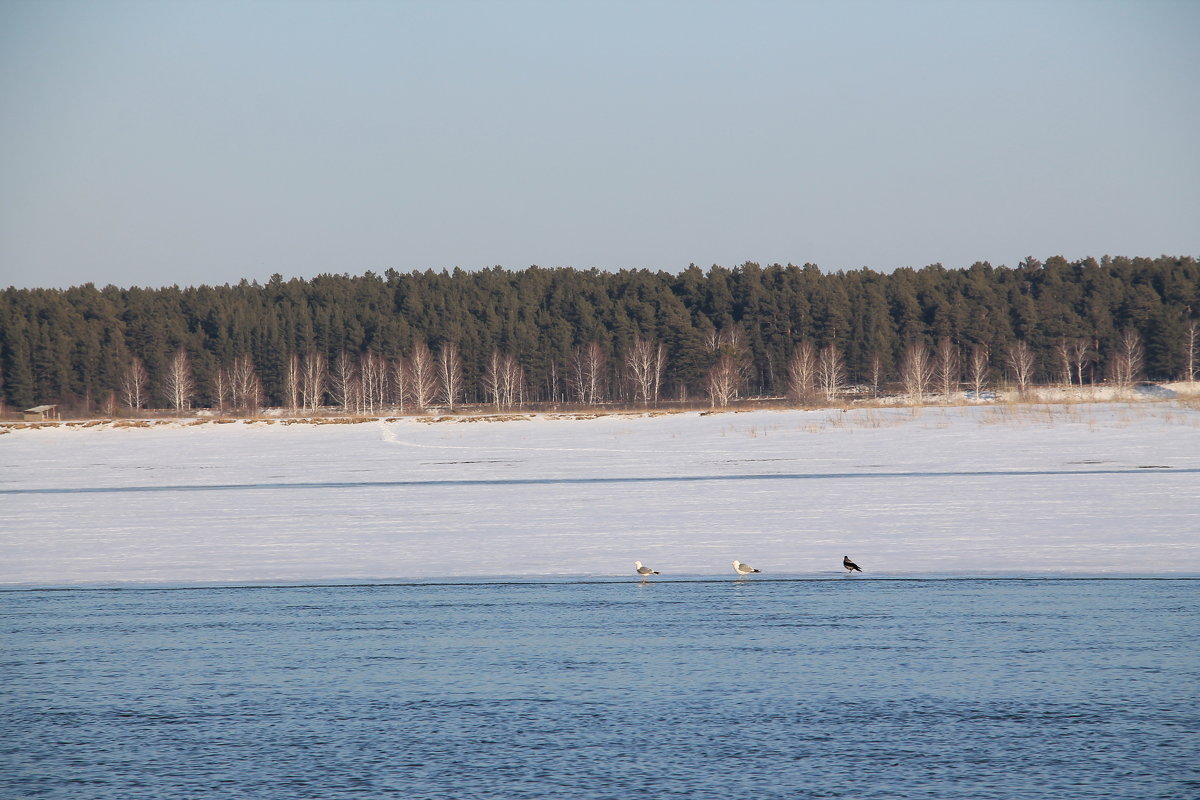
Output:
x,y
40,413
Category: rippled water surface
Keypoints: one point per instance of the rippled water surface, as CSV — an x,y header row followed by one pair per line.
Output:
x,y
854,688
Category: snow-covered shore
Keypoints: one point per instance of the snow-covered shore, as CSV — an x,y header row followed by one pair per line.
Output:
x,y
1075,489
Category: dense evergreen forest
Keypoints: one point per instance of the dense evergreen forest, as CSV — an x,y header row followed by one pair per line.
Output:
x,y
567,335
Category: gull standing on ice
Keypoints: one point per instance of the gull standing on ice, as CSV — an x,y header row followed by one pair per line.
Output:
x,y
645,572
850,566
743,569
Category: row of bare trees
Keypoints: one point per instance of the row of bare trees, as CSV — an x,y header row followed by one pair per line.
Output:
x,y
237,386
367,382
943,372
814,373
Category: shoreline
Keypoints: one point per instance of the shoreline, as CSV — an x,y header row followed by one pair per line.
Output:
x,y
1181,393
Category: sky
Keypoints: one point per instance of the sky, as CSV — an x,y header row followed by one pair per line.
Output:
x,y
188,142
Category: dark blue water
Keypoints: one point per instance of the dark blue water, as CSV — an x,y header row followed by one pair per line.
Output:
x,y
699,689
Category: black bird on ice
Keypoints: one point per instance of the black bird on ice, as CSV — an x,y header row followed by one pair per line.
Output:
x,y
850,566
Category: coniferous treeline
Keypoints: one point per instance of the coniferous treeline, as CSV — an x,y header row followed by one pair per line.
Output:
x,y
566,334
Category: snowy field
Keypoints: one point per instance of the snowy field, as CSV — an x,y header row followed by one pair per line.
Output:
x,y
1072,489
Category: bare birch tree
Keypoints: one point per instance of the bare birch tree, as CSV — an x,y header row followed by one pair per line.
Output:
x,y
492,378
724,380
221,387
449,368
727,375
1190,343
372,382
1126,365
979,368
916,371
876,373
245,387
108,406
179,386
401,383
424,379
1079,356
513,383
343,382
312,380
947,370
729,339
502,380
588,366
802,372
291,382
831,372
553,384
134,381
1062,352
1021,362
646,363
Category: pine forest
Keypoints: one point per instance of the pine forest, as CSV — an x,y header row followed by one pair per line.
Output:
x,y
504,338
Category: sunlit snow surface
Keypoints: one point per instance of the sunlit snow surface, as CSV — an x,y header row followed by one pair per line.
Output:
x,y
1033,489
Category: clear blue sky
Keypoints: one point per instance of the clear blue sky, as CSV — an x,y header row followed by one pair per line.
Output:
x,y
154,143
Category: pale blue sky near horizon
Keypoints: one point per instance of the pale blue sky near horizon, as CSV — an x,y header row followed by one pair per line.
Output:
x,y
159,143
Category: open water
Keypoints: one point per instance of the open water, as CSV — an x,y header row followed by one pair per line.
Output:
x,y
852,687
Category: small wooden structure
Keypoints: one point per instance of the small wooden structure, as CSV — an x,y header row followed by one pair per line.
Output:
x,y
38,413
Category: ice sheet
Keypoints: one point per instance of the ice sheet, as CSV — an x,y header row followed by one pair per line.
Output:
x,y
1107,488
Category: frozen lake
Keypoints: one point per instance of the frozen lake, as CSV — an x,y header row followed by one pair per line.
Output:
x,y
1084,489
